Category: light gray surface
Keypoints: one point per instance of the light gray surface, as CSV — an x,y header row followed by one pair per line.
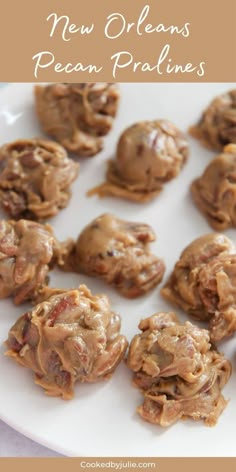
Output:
x,y
13,444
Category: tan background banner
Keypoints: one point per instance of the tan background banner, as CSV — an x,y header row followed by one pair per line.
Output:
x,y
119,464
118,40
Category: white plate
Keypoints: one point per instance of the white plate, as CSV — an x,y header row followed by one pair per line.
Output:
x,y
101,420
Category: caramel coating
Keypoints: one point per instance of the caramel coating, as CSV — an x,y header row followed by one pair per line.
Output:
x,y
35,178
28,250
217,126
178,372
77,115
117,251
215,191
71,336
203,283
149,154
